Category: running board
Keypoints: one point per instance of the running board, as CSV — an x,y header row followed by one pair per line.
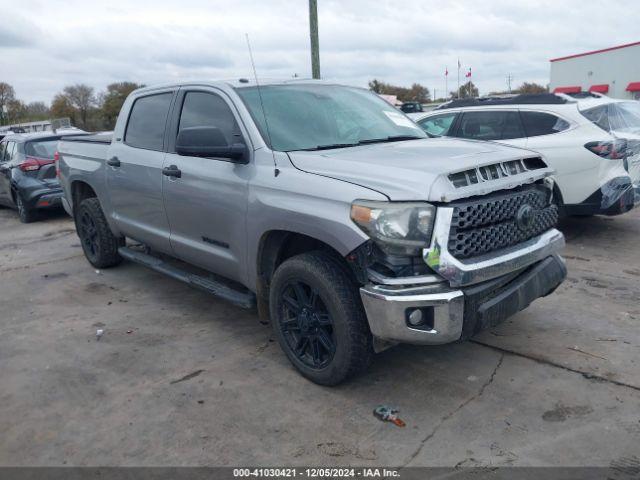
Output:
x,y
217,288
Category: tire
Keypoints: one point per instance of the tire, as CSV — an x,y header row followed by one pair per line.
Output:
x,y
316,307
100,246
26,214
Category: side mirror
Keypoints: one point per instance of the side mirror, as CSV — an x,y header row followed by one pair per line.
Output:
x,y
208,142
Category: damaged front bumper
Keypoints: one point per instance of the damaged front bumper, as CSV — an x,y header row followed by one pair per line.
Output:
x,y
450,314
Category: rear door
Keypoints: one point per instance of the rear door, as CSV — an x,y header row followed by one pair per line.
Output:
x,y
134,172
502,126
207,205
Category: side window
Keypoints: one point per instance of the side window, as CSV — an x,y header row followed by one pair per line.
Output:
x,y
13,151
3,149
539,123
438,125
202,109
147,120
9,152
491,125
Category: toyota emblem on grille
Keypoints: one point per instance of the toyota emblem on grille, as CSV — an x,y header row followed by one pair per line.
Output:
x,y
525,217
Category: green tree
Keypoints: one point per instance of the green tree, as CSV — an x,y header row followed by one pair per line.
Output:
x,y
419,93
415,93
468,90
7,95
111,101
531,88
61,107
16,111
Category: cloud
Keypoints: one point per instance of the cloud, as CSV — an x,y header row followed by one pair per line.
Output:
x,y
15,31
402,42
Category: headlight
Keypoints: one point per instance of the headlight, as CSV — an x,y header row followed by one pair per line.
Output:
x,y
398,228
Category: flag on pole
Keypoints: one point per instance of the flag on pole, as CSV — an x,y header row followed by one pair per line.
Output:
x,y
459,64
446,71
468,74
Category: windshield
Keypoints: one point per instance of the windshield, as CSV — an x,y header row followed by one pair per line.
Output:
x,y
44,149
315,117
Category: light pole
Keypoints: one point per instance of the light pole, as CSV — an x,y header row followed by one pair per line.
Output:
x,y
315,44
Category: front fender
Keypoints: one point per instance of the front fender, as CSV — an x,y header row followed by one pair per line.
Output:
x,y
304,203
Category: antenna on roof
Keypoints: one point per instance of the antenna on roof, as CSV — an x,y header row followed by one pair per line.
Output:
x,y
276,171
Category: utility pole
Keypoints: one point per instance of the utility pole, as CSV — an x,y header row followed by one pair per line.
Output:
x,y
509,80
315,44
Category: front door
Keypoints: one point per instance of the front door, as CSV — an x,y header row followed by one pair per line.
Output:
x,y
134,173
207,204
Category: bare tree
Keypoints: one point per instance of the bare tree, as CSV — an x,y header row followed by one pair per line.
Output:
x,y
82,98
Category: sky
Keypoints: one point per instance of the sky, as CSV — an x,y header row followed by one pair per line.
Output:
x,y
45,45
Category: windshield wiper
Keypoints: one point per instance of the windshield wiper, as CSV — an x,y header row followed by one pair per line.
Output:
x,y
330,146
394,138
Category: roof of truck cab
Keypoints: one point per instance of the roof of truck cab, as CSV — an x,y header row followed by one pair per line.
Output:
x,y
236,83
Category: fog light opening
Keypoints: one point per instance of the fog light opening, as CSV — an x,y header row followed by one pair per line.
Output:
x,y
421,318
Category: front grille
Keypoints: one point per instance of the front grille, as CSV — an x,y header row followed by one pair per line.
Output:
x,y
499,221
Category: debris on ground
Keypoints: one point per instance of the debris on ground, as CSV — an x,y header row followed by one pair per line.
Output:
x,y
99,333
186,377
576,349
385,413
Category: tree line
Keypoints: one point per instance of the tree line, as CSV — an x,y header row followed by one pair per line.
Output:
x,y
80,103
93,111
420,93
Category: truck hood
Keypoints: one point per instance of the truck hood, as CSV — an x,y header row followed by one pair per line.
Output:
x,y
418,169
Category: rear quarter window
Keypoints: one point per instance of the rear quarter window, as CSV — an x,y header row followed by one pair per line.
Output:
x,y
147,121
599,116
45,149
540,123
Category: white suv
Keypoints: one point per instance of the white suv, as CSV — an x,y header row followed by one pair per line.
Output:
x,y
592,141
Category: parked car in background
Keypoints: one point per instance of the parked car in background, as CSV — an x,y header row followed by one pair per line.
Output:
x,y
592,142
28,180
322,205
411,107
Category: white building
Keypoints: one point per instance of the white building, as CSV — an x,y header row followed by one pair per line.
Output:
x,y
614,71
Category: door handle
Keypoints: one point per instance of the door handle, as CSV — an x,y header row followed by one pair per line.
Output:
x,y
172,171
113,162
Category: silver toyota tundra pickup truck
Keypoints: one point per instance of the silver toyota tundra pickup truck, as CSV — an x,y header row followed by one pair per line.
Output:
x,y
323,207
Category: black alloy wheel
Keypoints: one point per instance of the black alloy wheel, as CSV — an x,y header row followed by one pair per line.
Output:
x,y
307,325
